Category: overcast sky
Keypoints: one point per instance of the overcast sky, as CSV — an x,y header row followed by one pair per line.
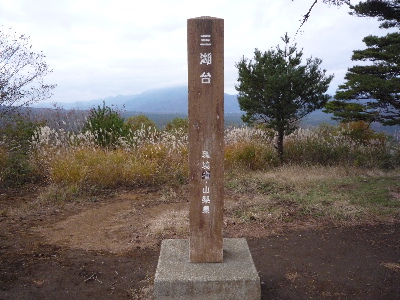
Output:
x,y
101,48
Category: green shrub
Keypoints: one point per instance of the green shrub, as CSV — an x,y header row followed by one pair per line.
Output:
x,y
16,167
106,126
177,124
140,121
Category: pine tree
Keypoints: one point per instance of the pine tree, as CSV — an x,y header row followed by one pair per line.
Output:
x,y
387,11
371,92
276,89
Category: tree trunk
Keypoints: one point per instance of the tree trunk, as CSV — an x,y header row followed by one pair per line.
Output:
x,y
279,145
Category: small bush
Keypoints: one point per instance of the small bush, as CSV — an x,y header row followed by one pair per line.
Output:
x,y
16,165
138,122
106,126
360,132
177,124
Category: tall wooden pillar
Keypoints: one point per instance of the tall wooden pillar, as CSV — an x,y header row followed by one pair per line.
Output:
x,y
206,137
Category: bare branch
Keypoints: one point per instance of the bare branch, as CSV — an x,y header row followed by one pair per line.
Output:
x,y
306,16
330,2
21,73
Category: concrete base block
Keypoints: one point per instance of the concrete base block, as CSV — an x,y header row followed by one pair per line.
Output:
x,y
177,278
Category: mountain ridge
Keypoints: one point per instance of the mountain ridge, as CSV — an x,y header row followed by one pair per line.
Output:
x,y
163,100
174,101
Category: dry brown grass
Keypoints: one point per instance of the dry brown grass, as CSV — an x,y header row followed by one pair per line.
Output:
x,y
318,194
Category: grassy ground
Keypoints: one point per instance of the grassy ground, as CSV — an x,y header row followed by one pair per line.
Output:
x,y
285,196
336,195
76,244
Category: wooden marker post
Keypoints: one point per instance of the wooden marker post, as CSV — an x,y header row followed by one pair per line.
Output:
x,y
206,137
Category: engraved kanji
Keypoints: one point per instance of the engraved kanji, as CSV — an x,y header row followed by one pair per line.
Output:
x,y
205,175
205,154
205,58
205,199
206,190
205,77
205,165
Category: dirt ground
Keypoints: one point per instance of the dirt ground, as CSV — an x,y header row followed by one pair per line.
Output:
x,y
107,248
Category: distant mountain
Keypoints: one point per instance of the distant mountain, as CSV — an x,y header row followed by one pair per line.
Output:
x,y
165,103
172,100
165,100
318,117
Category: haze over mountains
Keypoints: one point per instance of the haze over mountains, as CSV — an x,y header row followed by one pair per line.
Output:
x,y
165,103
166,100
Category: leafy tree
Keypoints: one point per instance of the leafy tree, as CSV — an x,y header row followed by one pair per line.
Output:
x,y
376,87
177,124
276,89
106,125
138,122
21,73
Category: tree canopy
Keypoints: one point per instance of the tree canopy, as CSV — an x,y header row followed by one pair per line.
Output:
x,y
371,92
275,88
387,11
177,124
21,73
139,122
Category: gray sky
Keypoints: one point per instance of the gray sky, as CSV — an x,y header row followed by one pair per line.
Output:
x,y
100,48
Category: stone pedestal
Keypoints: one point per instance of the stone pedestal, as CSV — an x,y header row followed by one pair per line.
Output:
x,y
177,278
